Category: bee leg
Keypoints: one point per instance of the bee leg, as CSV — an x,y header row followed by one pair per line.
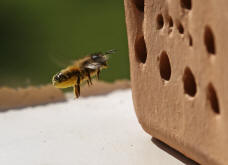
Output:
x,y
77,87
89,77
88,82
76,91
98,74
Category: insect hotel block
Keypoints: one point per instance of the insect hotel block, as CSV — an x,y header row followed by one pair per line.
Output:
x,y
179,74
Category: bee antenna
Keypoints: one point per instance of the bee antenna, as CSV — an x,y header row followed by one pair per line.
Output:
x,y
112,51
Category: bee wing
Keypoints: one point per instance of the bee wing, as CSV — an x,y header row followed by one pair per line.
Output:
x,y
93,65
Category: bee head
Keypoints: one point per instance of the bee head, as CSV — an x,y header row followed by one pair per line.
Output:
x,y
99,58
102,57
58,78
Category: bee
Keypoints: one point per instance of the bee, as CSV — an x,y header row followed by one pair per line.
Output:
x,y
82,70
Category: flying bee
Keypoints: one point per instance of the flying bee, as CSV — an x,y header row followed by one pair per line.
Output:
x,y
82,70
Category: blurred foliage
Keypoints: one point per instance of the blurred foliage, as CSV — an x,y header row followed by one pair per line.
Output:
x,y
39,37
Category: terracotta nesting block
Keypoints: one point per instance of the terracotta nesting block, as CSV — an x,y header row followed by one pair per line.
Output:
x,y
179,73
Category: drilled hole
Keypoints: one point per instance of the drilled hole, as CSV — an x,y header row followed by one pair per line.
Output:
x,y
209,40
165,68
160,21
212,97
190,40
139,4
187,4
189,83
180,28
140,49
170,21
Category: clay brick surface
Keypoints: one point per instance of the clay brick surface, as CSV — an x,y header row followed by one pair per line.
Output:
x,y
31,96
179,73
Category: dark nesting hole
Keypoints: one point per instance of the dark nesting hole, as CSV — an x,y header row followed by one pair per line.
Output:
x,y
212,98
140,49
189,82
160,21
180,28
187,4
209,40
165,67
190,40
139,4
170,21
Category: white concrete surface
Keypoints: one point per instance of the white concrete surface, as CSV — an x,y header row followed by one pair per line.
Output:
x,y
101,130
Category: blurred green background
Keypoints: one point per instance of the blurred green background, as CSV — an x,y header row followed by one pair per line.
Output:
x,y
39,37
